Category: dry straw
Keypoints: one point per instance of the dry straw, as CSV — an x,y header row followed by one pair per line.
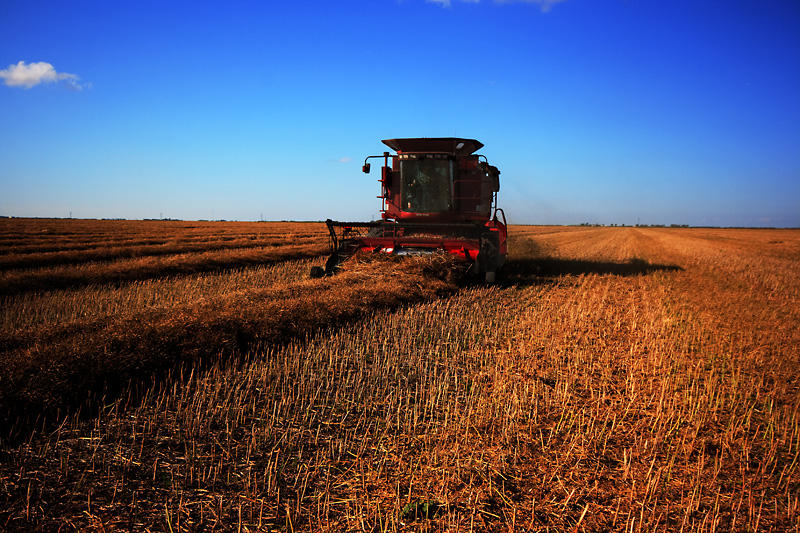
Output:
x,y
620,379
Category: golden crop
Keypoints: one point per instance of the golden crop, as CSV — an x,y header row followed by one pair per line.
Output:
x,y
630,379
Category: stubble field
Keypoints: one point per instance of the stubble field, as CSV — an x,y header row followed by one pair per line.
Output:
x,y
177,376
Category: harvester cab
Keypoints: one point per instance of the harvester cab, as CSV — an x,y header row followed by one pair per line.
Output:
x,y
436,194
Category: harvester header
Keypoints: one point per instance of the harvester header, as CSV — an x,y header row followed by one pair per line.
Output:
x,y
436,194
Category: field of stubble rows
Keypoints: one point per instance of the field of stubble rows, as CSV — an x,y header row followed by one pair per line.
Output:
x,y
176,376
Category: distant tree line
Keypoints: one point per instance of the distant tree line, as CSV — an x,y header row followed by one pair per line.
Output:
x,y
589,224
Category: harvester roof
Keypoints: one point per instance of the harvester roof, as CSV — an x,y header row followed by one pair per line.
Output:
x,y
451,145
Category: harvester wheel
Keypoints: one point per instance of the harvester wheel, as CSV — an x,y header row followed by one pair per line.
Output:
x,y
332,264
489,255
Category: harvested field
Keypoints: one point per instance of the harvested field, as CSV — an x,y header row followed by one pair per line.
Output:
x,y
35,310
49,278
629,379
11,261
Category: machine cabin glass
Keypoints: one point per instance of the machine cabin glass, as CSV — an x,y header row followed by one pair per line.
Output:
x,y
426,185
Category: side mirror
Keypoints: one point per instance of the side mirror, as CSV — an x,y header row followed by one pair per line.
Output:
x,y
365,168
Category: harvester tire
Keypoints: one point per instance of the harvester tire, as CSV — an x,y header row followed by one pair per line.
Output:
x,y
332,264
489,255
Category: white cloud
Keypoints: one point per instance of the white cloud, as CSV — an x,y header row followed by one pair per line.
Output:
x,y
544,5
344,160
448,3
32,74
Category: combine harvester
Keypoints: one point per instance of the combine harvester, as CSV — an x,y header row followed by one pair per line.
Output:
x,y
436,195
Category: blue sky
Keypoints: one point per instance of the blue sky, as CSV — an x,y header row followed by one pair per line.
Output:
x,y
614,111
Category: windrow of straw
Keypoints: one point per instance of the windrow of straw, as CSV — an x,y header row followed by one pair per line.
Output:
x,y
59,367
83,243
72,257
30,229
90,242
22,236
30,314
57,243
49,278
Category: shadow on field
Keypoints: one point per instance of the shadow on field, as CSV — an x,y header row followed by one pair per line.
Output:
x,y
533,263
532,270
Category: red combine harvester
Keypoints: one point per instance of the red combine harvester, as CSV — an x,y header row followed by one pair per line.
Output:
x,y
436,194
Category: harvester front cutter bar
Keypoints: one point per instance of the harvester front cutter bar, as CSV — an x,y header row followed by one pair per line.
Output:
x,y
474,244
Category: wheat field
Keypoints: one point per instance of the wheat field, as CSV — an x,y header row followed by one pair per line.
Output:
x,y
175,376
